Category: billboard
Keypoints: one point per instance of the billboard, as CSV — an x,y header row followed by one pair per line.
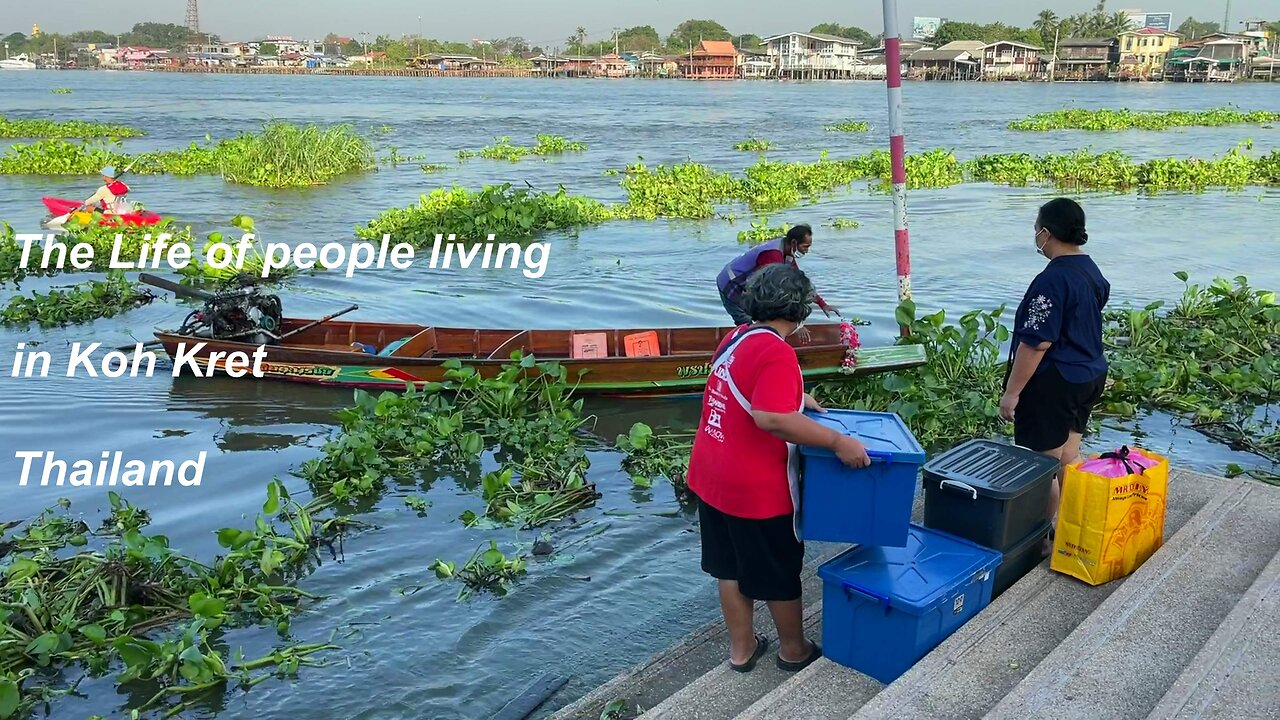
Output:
x,y
1159,21
923,28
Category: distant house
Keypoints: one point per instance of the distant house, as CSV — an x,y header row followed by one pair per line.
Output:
x,y
958,60
562,65
1086,58
1011,59
756,64
651,64
611,66
907,48
711,60
1144,52
376,56
813,55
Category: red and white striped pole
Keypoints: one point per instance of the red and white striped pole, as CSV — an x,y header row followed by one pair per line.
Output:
x,y
897,150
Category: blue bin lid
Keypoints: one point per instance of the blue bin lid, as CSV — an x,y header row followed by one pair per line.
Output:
x,y
915,578
884,434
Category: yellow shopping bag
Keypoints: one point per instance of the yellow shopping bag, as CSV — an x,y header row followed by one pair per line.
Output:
x,y
1111,516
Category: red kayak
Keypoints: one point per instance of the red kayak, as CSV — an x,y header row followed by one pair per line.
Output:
x,y
61,206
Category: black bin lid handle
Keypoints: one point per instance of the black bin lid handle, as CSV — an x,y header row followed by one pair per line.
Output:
x,y
964,487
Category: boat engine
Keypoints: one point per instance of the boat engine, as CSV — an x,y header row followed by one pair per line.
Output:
x,y
243,314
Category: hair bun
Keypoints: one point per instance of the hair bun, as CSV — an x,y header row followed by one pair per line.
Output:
x,y
1082,236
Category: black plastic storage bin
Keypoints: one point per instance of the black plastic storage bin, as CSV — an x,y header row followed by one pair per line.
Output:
x,y
987,492
1020,559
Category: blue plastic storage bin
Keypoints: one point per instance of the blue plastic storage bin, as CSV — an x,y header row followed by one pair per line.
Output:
x,y
885,608
867,506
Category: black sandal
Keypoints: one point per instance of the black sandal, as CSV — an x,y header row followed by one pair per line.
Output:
x,y
788,666
762,645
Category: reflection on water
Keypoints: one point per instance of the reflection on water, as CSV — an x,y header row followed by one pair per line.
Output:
x,y
625,581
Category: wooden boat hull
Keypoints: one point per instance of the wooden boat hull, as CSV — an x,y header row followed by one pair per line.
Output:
x,y
324,356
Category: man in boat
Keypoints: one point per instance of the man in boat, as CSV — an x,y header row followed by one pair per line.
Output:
x,y
733,278
109,199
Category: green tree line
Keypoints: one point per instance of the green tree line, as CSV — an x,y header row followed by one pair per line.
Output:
x,y
1099,22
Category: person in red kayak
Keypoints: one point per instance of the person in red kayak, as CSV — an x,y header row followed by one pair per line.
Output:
x,y
733,278
109,199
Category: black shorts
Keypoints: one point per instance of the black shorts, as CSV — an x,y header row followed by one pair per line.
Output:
x,y
1050,409
762,555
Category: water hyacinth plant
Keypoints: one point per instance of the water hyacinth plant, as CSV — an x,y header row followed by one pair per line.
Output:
x,y
1125,119
502,149
754,145
78,600
506,212
762,231
252,266
848,126
281,155
81,303
53,129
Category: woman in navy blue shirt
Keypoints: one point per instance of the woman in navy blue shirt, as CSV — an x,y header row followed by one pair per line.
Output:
x,y
1057,371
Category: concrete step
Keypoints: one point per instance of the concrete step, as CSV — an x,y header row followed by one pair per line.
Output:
x,y
822,691
1237,673
980,663
723,692
1126,655
647,684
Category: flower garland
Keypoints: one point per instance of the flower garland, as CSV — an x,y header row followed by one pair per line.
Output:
x,y
849,338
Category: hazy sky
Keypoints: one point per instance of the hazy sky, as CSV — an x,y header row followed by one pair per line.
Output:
x,y
550,21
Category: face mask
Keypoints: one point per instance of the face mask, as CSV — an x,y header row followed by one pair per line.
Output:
x,y
799,326
1039,245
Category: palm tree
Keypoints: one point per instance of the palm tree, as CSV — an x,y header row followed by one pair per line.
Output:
x,y
1118,23
1047,24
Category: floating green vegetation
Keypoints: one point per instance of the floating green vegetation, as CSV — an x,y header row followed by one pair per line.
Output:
x,y
430,168
845,224
60,157
952,397
282,155
526,411
251,267
692,190
848,126
80,303
15,128
1211,356
754,145
11,267
505,212
77,599
1104,119
545,145
61,91
686,190
285,155
487,569
101,237
650,456
1115,170
762,231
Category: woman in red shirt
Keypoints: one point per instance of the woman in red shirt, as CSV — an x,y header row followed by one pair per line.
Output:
x,y
739,468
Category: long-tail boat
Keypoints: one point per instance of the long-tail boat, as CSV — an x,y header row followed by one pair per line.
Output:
x,y
388,355
369,355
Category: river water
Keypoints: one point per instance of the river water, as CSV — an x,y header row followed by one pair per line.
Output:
x,y
626,581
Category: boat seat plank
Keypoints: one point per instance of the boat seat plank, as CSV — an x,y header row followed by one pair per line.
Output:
x,y
421,345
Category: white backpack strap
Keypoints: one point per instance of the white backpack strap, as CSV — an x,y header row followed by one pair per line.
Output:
x,y
719,370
